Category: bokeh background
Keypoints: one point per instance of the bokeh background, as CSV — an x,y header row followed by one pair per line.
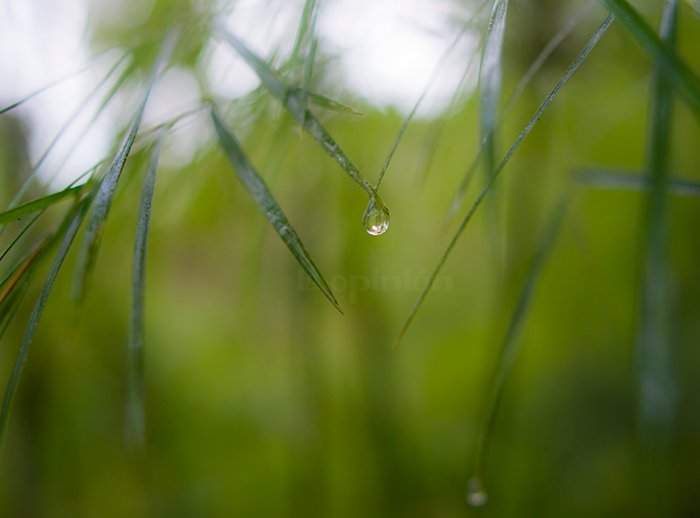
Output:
x,y
261,399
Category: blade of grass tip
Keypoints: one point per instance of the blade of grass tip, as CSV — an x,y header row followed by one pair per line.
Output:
x,y
657,385
330,104
107,187
622,180
510,347
135,413
674,68
294,103
39,204
70,228
259,191
578,61
62,130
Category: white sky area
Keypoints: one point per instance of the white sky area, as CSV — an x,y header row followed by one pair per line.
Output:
x,y
385,51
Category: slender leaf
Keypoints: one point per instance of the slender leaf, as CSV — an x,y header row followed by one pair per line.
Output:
x,y
674,68
135,415
578,61
39,204
620,180
510,347
259,191
70,228
330,104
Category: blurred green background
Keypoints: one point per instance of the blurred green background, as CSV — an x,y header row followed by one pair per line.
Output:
x,y
262,400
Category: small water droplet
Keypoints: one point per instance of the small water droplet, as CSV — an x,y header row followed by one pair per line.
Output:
x,y
376,217
476,496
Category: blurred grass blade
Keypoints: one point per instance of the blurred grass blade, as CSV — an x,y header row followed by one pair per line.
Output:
x,y
259,191
578,61
330,104
39,204
108,184
19,236
674,68
657,385
293,101
620,180
20,272
511,343
68,231
135,414
306,28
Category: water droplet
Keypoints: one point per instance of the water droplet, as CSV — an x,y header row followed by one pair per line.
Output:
x,y
376,217
476,496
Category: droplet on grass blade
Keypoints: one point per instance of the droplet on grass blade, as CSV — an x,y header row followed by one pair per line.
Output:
x,y
376,217
476,496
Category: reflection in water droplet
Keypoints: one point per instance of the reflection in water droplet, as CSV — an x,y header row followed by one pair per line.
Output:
x,y
476,496
376,217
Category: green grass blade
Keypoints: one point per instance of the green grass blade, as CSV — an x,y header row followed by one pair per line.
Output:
x,y
330,104
259,191
620,180
578,61
294,102
69,230
510,347
38,205
674,68
135,414
307,25
107,187
657,385
19,236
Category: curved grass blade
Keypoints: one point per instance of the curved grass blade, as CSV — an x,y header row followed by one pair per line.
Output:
x,y
259,191
618,180
39,204
19,236
70,228
511,342
294,101
674,68
107,187
657,384
578,61
135,414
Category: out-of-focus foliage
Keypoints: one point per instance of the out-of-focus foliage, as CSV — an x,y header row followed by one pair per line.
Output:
x,y
262,400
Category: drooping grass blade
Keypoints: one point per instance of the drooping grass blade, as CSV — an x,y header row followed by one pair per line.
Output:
x,y
511,343
107,187
135,414
259,191
657,386
626,181
578,61
674,68
39,204
70,228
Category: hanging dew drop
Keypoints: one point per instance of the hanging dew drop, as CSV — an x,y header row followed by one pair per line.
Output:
x,y
476,496
376,217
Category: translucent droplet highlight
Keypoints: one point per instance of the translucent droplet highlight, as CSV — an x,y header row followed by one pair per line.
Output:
x,y
376,217
476,496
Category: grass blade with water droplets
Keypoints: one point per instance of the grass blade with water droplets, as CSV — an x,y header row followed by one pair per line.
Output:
x,y
257,188
135,414
578,61
674,68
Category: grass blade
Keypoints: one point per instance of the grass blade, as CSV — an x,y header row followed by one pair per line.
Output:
x,y
657,387
578,61
620,180
511,342
135,415
39,204
330,104
674,68
108,185
293,101
259,191
70,228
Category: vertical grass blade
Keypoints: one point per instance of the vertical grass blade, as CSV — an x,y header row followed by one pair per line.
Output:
x,y
657,389
511,342
108,185
578,61
259,191
674,68
69,230
135,413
